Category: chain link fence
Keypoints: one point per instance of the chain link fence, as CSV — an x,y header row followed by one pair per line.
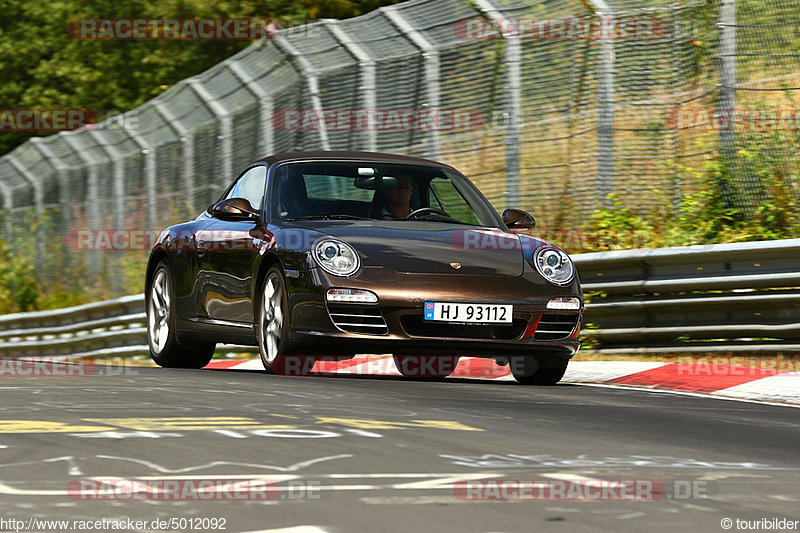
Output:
x,y
568,101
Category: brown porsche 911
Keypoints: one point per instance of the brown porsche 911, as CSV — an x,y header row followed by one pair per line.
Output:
x,y
330,254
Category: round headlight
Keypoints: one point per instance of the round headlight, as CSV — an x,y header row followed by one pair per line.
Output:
x,y
554,265
336,257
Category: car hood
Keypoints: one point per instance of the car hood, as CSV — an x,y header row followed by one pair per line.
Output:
x,y
432,248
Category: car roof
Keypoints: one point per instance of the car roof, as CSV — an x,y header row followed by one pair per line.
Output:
x,y
348,156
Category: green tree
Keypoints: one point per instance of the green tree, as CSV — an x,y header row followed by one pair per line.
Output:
x,y
42,67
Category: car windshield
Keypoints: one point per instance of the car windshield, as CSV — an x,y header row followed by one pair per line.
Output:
x,y
376,191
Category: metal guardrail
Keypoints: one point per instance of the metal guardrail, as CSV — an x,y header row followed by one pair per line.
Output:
x,y
733,298
109,327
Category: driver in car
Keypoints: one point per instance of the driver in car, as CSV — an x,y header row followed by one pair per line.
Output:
x,y
398,198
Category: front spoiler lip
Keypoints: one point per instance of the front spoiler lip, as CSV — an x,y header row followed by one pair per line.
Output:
x,y
320,341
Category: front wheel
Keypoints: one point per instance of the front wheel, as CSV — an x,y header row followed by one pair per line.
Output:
x,y
161,336
528,371
273,329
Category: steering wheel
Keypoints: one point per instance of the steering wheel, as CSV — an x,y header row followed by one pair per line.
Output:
x,y
422,210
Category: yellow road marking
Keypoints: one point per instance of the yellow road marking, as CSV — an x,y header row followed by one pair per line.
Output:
x,y
187,423
44,426
199,423
363,423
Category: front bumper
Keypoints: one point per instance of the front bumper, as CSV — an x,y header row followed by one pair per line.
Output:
x,y
401,302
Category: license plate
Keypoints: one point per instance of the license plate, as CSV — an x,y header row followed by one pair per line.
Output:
x,y
466,313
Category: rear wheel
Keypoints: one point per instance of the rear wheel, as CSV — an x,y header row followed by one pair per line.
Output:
x,y
273,329
425,366
161,336
528,371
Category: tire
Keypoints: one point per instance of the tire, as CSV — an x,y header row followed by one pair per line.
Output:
x,y
272,329
161,335
528,371
425,366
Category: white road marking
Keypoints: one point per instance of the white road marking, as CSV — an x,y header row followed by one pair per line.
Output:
x,y
719,395
125,434
69,459
291,468
363,433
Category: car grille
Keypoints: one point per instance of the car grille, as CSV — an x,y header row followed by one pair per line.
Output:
x,y
555,327
414,325
355,318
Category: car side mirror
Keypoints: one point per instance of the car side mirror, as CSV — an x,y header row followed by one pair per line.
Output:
x,y
233,209
518,219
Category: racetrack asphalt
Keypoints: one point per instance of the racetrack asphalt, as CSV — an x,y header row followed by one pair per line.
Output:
x,y
383,453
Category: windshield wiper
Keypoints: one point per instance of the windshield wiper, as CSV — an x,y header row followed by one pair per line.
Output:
x,y
327,217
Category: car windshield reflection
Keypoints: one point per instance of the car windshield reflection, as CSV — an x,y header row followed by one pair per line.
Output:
x,y
369,191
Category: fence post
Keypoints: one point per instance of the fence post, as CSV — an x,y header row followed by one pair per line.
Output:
x,y
265,104
225,126
61,168
605,100
513,103
38,193
187,144
7,204
673,134
119,177
431,57
92,193
119,198
367,89
149,173
93,197
727,71
727,88
513,137
38,198
66,220
310,74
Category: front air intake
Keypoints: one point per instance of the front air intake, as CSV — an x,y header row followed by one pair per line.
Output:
x,y
354,318
553,327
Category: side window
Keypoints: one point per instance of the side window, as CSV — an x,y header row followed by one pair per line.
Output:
x,y
250,186
443,195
